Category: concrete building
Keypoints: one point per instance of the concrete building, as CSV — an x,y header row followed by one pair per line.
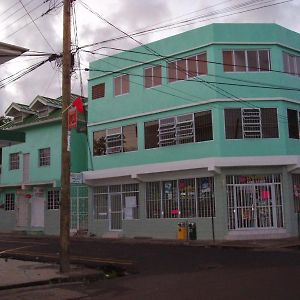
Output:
x,y
199,127
31,170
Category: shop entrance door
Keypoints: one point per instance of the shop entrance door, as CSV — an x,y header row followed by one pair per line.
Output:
x,y
22,211
115,212
37,212
255,206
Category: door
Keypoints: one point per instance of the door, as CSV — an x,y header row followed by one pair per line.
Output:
x,y
79,208
22,211
26,157
255,206
37,212
115,212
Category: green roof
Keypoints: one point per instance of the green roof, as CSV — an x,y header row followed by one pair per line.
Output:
x,y
10,137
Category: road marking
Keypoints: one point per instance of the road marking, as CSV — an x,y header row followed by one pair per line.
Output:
x,y
22,242
14,249
81,258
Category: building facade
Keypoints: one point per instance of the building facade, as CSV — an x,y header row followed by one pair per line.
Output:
x,y
199,127
30,179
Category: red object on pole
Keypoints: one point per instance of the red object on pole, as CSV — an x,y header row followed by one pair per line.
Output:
x,y
78,104
72,118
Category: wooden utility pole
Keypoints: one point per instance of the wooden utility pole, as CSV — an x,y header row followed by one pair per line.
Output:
x,y
65,151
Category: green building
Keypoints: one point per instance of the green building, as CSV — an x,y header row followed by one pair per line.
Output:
x,y
30,179
201,127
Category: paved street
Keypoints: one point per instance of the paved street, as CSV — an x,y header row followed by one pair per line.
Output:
x,y
164,270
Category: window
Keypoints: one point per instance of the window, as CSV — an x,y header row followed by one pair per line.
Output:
x,y
291,64
187,67
152,76
53,199
9,201
115,140
246,60
98,91
44,112
44,157
182,129
124,199
18,118
251,123
14,161
121,85
293,123
183,198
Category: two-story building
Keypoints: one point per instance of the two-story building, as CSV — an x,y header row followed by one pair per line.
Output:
x,y
31,171
199,127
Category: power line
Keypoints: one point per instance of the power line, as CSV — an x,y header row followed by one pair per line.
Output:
x,y
36,26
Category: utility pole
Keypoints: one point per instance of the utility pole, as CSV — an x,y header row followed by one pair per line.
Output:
x,y
65,151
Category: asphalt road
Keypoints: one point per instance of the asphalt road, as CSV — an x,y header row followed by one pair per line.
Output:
x,y
167,271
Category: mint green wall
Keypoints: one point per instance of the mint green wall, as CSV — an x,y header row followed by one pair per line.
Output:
x,y
142,105
79,151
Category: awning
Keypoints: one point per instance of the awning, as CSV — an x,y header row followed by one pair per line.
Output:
x,y
10,137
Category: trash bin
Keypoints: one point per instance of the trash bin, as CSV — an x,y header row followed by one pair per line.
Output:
x,y
192,231
181,231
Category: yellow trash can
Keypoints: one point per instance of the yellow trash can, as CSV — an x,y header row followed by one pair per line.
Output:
x,y
181,231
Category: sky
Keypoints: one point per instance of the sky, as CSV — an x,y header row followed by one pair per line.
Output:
x,y
37,26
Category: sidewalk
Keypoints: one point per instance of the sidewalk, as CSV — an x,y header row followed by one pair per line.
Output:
x,y
18,273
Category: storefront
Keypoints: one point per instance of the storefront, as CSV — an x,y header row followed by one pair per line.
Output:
x,y
254,202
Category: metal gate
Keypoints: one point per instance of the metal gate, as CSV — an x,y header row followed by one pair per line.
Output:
x,y
79,208
257,205
115,212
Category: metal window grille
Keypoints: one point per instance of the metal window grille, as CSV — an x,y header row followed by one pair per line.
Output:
x,y
296,192
53,199
79,207
114,140
251,123
254,201
185,129
44,155
9,201
183,198
167,132
153,200
205,197
129,194
100,201
14,161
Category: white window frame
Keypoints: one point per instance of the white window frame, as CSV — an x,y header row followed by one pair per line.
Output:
x,y
44,160
14,161
53,199
9,204
251,123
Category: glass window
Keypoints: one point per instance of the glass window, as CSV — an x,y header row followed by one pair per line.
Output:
x,y
202,63
291,64
228,61
115,140
264,60
151,134
252,61
44,157
233,123
293,125
98,91
152,76
9,201
53,199
203,126
240,61
121,85
269,123
14,161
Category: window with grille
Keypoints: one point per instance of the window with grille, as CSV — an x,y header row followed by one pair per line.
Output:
x,y
251,123
14,161
293,123
152,76
121,85
9,201
44,157
183,198
291,64
115,140
246,60
188,67
183,129
53,199
129,197
98,91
